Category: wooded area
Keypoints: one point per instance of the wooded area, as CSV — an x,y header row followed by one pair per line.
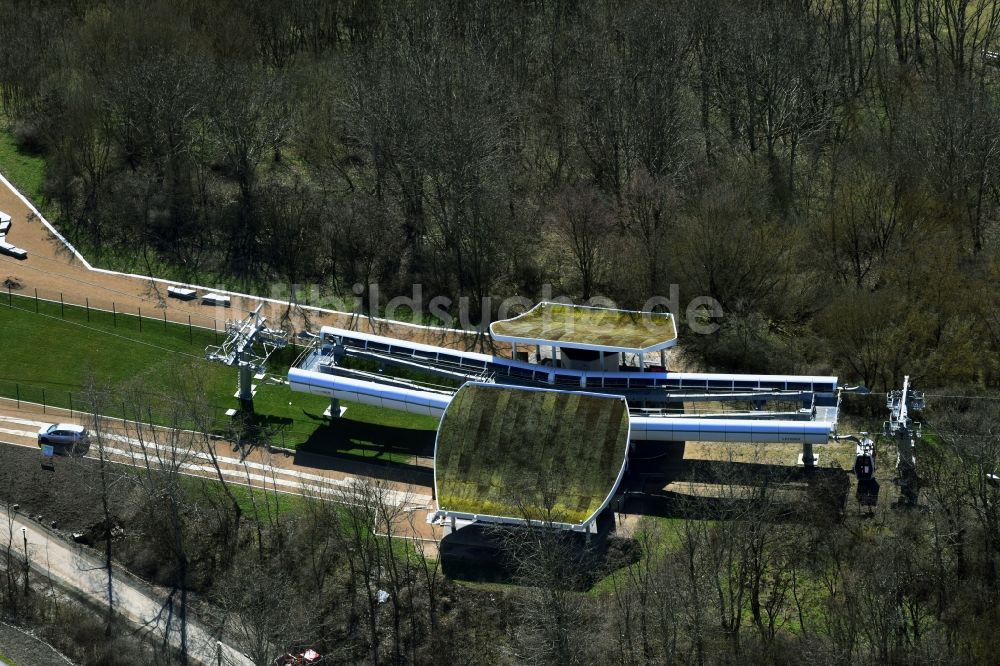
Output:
x,y
826,170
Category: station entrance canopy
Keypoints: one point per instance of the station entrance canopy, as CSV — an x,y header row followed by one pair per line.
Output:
x,y
526,455
592,328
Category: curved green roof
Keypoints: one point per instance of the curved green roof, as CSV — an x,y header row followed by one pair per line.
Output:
x,y
513,454
587,327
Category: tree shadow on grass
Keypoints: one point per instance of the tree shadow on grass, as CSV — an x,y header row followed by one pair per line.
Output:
x,y
271,421
369,449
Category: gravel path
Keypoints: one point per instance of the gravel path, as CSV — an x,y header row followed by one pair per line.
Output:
x,y
23,649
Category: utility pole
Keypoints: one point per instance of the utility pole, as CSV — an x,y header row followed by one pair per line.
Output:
x,y
905,431
27,560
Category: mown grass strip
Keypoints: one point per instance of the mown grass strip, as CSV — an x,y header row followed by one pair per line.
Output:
x,y
47,357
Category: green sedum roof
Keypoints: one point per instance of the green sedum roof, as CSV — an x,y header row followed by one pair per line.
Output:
x,y
589,328
529,454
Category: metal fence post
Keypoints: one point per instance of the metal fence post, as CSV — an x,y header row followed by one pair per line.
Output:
x,y
164,320
88,309
10,299
190,331
43,401
17,392
114,313
70,403
62,306
140,320
36,300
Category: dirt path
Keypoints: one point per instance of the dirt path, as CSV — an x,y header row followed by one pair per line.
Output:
x,y
71,567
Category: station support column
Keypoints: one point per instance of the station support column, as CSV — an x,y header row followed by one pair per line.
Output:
x,y
808,458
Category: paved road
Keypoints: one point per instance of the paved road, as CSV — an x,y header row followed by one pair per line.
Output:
x,y
259,469
70,566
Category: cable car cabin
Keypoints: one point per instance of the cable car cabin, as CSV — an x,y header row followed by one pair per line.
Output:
x,y
219,300
864,458
182,293
864,470
11,250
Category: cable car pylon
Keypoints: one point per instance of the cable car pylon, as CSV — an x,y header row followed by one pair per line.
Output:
x,y
248,345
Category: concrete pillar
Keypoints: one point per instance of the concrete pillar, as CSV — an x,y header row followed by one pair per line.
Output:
x,y
663,358
513,350
807,459
642,363
334,408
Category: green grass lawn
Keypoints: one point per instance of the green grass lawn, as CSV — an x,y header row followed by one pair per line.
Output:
x,y
47,357
279,502
660,535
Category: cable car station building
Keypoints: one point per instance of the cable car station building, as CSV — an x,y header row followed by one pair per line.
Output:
x,y
529,456
589,339
546,442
